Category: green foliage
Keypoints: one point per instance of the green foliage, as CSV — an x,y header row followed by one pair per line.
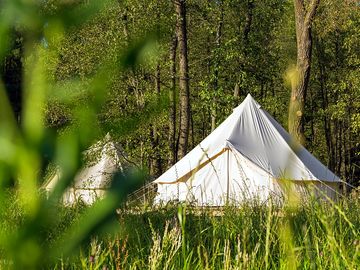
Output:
x,y
35,231
254,52
334,91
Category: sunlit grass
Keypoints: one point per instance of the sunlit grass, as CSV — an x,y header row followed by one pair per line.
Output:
x,y
312,236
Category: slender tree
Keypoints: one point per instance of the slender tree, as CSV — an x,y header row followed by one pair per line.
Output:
x,y
11,73
181,32
172,95
304,15
219,31
248,20
156,166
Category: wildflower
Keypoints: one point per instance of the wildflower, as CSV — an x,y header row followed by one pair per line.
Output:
x,y
92,259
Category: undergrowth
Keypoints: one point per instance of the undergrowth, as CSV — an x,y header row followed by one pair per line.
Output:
x,y
318,235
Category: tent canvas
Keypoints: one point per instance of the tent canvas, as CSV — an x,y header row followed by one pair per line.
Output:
x,y
248,156
92,181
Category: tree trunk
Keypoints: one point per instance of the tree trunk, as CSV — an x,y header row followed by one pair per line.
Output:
x,y
216,67
311,120
299,83
126,24
340,149
237,91
192,134
172,99
180,7
11,74
245,30
324,105
236,95
155,168
248,21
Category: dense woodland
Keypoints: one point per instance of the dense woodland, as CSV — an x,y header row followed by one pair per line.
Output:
x,y
205,57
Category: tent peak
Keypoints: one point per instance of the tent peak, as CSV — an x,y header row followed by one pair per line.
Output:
x,y
248,101
251,100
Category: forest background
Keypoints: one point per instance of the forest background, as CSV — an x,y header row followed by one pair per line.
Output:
x,y
233,48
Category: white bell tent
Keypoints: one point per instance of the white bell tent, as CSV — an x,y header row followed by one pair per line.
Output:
x,y
249,156
94,179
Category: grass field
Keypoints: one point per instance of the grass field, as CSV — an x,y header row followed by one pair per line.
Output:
x,y
253,236
310,237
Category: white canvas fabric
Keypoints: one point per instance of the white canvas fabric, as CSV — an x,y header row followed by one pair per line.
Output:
x,y
92,181
244,158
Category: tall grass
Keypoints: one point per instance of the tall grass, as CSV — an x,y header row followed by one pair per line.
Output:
x,y
312,236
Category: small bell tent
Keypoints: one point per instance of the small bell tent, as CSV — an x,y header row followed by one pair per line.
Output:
x,y
249,156
103,159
